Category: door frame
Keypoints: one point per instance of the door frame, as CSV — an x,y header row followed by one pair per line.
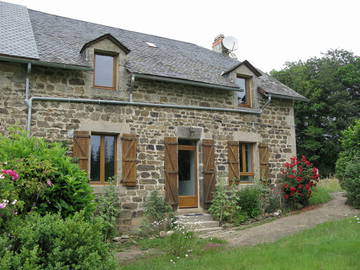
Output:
x,y
190,201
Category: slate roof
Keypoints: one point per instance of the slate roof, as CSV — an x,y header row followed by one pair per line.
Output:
x,y
60,40
16,35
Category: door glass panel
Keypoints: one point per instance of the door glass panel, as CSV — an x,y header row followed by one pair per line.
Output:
x,y
109,156
95,158
186,173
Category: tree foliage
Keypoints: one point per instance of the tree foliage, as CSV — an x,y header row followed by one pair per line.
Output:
x,y
332,85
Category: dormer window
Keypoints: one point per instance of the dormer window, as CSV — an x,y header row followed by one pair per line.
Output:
x,y
244,95
105,71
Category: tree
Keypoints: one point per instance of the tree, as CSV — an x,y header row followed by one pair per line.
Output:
x,y
332,85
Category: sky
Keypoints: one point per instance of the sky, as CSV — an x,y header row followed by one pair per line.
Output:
x,y
269,32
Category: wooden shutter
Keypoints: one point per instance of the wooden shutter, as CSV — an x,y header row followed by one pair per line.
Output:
x,y
264,161
233,160
171,171
208,149
129,144
81,149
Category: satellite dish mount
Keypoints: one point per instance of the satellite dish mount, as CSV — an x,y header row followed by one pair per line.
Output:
x,y
230,44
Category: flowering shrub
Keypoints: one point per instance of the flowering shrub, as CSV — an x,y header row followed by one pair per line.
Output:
x,y
9,198
299,178
49,180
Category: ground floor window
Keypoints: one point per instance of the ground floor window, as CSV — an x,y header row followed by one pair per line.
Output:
x,y
246,162
103,157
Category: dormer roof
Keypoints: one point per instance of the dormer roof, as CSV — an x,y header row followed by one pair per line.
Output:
x,y
106,36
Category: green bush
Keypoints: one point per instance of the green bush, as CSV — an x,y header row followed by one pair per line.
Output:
x,y
248,199
351,182
350,143
224,205
49,180
159,215
50,242
156,208
108,208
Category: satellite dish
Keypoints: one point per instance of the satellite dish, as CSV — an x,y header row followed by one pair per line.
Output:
x,y
230,43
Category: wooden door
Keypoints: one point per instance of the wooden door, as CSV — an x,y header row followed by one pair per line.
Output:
x,y
187,184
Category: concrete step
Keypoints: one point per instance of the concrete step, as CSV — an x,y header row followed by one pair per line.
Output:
x,y
198,222
195,217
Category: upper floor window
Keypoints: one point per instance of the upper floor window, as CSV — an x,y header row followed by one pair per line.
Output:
x,y
244,95
105,71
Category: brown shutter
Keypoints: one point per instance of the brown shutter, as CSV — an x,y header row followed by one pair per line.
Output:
x,y
264,161
81,149
233,159
129,144
171,171
208,149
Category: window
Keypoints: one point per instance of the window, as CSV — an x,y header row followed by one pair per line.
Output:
x,y
103,157
243,96
246,162
105,71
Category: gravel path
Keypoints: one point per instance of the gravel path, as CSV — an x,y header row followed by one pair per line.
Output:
x,y
270,232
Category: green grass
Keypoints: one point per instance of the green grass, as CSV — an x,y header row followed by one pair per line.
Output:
x,y
329,246
321,193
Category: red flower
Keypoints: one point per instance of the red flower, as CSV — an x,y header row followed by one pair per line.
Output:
x,y
286,196
291,176
308,163
286,186
293,189
307,187
286,164
299,178
303,158
292,193
300,186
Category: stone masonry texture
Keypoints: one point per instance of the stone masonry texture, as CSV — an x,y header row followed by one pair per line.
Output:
x,y
55,121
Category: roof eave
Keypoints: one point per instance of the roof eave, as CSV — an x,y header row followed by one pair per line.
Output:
x,y
17,59
295,98
183,81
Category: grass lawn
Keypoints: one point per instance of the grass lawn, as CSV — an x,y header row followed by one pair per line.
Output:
x,y
321,191
332,245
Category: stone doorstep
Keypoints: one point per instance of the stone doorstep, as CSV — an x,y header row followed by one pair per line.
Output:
x,y
198,222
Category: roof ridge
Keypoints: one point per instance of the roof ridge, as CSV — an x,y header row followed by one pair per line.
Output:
x,y
115,28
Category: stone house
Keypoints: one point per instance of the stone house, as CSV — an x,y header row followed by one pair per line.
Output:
x,y
151,112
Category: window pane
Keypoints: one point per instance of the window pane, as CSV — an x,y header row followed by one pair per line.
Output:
x,y
241,83
109,156
104,68
246,178
95,158
241,158
248,158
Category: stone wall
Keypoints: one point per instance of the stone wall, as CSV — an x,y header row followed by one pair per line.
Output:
x,y
56,121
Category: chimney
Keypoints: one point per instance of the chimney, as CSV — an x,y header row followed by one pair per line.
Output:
x,y
217,45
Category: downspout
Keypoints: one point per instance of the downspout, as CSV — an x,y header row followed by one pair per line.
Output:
x,y
28,100
132,84
266,103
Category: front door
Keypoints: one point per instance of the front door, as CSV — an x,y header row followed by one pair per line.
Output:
x,y
187,176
